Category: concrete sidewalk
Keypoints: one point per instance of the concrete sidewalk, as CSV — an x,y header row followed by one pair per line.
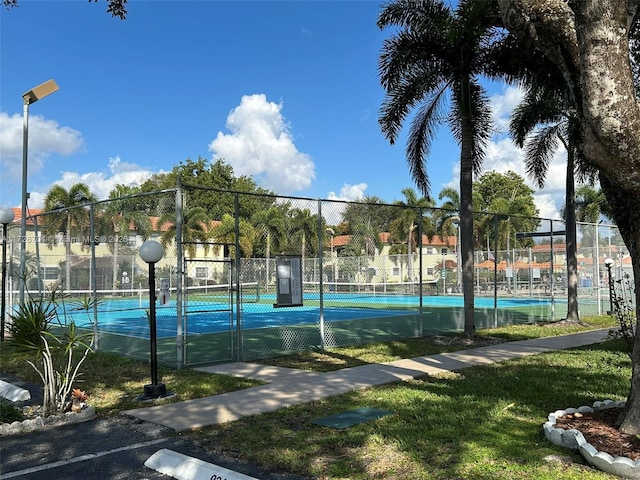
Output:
x,y
287,387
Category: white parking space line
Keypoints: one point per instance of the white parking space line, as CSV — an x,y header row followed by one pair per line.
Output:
x,y
81,458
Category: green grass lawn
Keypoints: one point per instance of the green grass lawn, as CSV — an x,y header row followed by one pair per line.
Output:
x,y
482,423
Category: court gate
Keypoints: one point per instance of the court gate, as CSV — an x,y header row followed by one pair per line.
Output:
x,y
210,312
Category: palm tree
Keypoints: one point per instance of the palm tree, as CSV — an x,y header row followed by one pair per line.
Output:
x,y
305,227
225,232
195,229
270,224
560,126
409,223
123,214
435,58
591,204
67,216
448,213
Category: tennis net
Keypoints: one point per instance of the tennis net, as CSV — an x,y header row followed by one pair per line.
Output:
x,y
362,289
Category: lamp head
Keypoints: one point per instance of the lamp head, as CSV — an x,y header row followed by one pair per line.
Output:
x,y
151,251
39,92
6,216
608,262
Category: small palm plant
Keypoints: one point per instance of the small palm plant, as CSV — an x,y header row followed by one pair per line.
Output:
x,y
36,328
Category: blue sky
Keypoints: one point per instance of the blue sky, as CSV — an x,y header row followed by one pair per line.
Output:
x,y
284,91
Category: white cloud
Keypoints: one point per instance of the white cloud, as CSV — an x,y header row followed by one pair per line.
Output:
x,y
502,105
45,137
349,193
547,205
502,155
99,183
260,145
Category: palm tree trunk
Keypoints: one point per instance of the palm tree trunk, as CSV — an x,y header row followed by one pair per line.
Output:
x,y
466,210
571,239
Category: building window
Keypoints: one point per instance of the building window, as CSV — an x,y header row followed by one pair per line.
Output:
x,y
429,271
396,271
444,251
50,273
201,272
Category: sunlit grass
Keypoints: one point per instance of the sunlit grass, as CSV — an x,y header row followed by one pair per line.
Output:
x,y
483,422
479,423
346,357
114,382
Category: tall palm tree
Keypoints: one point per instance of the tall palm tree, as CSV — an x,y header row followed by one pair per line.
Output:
x,y
123,214
67,216
433,60
560,126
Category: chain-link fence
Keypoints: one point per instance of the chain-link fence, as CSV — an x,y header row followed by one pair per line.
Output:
x,y
369,272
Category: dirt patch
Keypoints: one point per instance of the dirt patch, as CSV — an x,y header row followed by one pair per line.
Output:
x,y
599,429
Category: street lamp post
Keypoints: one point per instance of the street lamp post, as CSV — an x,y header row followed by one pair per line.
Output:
x,y
151,252
32,96
608,262
6,217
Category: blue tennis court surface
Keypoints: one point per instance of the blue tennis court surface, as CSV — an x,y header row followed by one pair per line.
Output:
x,y
129,316
135,323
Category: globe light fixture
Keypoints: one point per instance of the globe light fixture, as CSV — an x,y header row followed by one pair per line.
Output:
x,y
151,252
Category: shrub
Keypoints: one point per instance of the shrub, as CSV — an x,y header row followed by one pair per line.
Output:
x,y
9,413
31,320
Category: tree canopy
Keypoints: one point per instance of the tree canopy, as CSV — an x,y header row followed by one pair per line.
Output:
x,y
210,186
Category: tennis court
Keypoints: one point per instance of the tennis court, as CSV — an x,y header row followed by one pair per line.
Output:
x,y
212,314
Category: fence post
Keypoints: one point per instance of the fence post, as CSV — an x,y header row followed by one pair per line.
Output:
x,y
496,219
321,280
92,279
420,269
236,215
553,307
38,263
180,335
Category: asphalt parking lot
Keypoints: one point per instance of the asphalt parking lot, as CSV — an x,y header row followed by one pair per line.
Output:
x,y
99,449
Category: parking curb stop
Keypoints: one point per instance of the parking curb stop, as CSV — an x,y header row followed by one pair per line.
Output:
x,y
183,467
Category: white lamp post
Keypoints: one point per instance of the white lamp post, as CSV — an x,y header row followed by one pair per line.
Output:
x,y
6,217
151,252
32,96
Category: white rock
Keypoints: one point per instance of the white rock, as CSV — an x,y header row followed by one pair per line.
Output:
x,y
603,461
625,467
